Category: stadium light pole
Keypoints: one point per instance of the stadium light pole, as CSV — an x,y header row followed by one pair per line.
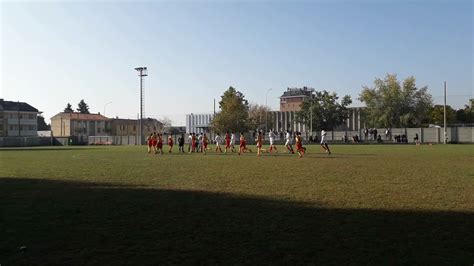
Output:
x,y
142,72
105,105
266,111
445,133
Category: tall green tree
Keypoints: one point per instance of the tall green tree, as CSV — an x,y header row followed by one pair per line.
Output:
x,y
82,107
68,108
258,117
233,114
391,104
466,114
42,124
437,115
327,111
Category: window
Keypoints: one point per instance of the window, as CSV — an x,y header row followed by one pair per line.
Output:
x,y
11,127
98,130
134,128
30,116
21,116
31,128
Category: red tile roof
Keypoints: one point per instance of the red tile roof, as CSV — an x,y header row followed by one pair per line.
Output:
x,y
79,116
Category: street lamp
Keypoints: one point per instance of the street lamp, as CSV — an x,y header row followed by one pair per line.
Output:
x,y
105,105
266,112
142,72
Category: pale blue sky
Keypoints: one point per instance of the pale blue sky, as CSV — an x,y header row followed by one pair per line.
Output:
x,y
57,52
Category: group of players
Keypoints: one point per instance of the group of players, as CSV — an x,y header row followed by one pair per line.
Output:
x,y
200,143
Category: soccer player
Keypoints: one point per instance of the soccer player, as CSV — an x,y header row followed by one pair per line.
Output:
x,y
271,136
150,143
170,143
232,141
205,141
218,140
324,144
199,143
260,141
416,139
193,143
160,144
299,145
288,142
190,142
181,143
227,141
243,144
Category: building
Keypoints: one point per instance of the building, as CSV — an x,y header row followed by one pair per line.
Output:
x,y
283,120
198,123
79,126
130,127
18,119
292,98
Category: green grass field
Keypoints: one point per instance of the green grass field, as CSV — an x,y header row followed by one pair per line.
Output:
x,y
371,204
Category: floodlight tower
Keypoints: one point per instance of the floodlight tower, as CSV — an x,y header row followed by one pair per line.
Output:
x,y
142,72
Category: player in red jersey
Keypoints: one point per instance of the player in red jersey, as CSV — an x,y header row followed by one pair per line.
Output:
x,y
154,142
170,143
193,143
150,143
259,141
160,144
205,141
299,145
243,144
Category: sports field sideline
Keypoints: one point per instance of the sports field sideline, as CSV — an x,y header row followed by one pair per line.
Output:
x,y
368,204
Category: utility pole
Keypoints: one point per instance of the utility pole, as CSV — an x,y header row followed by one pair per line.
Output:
x,y
142,72
445,133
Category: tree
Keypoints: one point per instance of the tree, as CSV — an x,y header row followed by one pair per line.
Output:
x,y
82,107
42,124
437,115
391,104
258,117
167,124
68,108
466,115
327,112
233,113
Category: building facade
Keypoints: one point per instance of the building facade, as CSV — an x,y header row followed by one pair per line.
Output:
x,y
18,119
198,123
292,98
130,127
286,120
79,126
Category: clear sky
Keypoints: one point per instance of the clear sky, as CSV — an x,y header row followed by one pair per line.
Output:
x,y
57,52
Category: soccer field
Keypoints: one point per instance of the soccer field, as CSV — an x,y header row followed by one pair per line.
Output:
x,y
367,204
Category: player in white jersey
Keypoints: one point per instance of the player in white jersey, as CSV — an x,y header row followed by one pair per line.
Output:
x,y
232,140
324,144
288,142
271,136
218,141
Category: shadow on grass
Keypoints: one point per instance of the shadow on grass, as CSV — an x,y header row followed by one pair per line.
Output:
x,y
71,223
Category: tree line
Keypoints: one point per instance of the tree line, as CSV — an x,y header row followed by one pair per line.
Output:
x,y
82,107
389,103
